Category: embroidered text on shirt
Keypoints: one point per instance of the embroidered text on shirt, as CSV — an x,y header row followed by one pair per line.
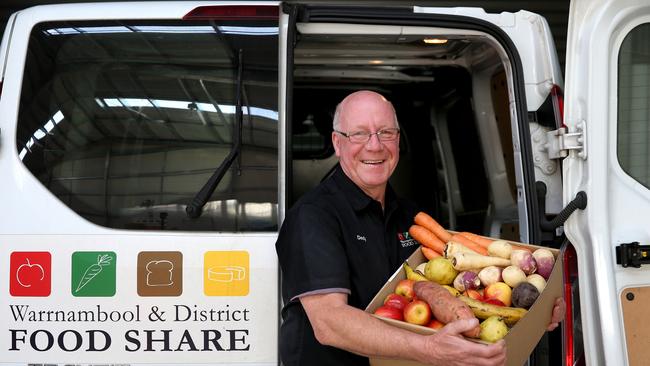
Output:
x,y
361,238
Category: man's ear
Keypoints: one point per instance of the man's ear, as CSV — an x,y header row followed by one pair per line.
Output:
x,y
336,141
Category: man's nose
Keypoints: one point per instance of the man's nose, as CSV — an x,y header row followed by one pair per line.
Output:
x,y
374,143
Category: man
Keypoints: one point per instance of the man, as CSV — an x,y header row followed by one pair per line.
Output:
x,y
338,246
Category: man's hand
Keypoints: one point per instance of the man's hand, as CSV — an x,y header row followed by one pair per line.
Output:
x,y
559,311
450,348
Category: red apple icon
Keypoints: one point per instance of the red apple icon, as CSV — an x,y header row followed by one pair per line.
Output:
x,y
29,273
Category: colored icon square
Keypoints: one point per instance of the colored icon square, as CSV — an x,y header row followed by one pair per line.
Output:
x,y
226,273
93,274
160,273
30,274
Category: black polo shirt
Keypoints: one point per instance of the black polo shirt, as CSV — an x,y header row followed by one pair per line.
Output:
x,y
337,239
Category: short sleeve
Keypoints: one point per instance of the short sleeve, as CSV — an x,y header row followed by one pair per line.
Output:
x,y
311,252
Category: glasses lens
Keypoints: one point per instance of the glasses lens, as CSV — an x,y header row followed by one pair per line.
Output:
x,y
388,134
359,137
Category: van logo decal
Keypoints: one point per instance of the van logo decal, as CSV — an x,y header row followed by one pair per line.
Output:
x,y
93,274
30,274
160,273
226,273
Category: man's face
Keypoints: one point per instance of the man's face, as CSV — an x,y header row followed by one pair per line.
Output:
x,y
368,164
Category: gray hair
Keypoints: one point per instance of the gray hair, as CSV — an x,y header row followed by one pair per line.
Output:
x,y
336,122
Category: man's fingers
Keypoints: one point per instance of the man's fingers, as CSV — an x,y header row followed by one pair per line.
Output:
x,y
559,311
459,326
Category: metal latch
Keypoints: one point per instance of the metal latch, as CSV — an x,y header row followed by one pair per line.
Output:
x,y
559,142
632,254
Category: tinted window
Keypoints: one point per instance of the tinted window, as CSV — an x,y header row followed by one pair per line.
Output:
x,y
633,138
125,121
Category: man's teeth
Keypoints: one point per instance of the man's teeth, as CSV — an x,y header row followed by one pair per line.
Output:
x,y
373,161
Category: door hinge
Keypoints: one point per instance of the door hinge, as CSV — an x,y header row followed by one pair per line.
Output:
x,y
632,254
559,142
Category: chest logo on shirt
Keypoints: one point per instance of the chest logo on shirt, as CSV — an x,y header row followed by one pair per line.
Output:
x,y
361,238
405,239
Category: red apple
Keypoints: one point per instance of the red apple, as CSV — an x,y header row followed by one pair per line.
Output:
x,y
435,324
389,312
417,312
500,291
405,288
494,302
396,301
473,294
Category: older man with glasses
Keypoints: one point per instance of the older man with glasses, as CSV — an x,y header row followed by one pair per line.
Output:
x,y
340,243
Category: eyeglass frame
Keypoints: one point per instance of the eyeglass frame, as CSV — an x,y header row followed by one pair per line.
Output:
x,y
369,135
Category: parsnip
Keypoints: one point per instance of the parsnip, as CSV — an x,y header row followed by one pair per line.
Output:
x,y
466,261
500,248
453,247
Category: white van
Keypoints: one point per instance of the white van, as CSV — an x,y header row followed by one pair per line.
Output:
x,y
149,151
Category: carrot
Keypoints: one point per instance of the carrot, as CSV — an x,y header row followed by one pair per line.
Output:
x,y
423,219
478,239
444,306
469,244
429,253
467,261
93,270
427,238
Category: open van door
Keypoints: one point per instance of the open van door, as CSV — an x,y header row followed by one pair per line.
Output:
x,y
607,87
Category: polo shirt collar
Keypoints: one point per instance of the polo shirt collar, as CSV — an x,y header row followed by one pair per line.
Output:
x,y
357,197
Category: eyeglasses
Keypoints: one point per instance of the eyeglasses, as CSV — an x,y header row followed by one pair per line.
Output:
x,y
360,137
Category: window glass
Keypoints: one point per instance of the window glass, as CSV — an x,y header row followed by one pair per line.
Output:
x,y
124,122
633,137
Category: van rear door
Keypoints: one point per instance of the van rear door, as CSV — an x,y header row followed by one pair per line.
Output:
x,y
607,89
114,116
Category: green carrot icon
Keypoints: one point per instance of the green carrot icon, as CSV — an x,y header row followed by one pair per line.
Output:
x,y
93,270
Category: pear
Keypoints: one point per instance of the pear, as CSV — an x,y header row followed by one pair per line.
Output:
x,y
493,329
441,271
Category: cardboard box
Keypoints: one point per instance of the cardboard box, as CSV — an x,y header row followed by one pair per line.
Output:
x,y
520,340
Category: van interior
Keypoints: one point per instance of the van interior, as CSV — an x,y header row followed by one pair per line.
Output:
x,y
450,92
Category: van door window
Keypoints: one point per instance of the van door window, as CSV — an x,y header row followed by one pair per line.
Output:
x,y
633,137
125,121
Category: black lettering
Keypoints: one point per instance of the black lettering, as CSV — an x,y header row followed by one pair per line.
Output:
x,y
235,315
48,335
19,312
91,340
132,339
61,340
211,336
15,339
186,339
164,340
187,310
234,339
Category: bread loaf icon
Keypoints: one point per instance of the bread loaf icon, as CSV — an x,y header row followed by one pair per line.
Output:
x,y
226,273
159,273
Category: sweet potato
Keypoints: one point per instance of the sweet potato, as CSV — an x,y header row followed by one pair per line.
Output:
x,y
445,307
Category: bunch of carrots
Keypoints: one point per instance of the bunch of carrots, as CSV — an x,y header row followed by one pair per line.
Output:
x,y
433,237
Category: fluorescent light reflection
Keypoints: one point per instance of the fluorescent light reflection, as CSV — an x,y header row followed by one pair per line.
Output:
x,y
187,105
39,134
204,29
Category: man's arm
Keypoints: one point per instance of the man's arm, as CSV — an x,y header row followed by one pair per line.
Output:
x,y
337,324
